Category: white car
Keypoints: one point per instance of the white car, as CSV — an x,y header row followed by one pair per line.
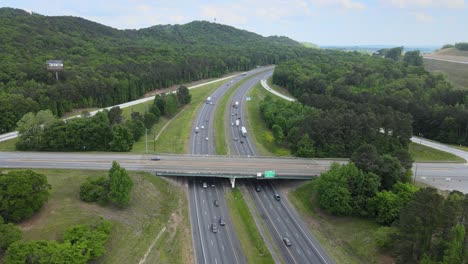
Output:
x,y
206,138
202,127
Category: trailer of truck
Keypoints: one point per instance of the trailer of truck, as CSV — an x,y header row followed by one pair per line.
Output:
x,y
244,131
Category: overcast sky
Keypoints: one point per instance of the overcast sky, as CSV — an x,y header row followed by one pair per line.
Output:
x,y
324,22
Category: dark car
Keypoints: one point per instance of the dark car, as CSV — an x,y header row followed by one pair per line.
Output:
x,y
155,158
257,188
277,197
216,203
221,222
287,242
214,228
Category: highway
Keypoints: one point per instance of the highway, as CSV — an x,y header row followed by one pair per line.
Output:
x,y
280,220
222,246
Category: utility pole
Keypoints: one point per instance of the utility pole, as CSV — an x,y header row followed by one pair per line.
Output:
x,y
146,141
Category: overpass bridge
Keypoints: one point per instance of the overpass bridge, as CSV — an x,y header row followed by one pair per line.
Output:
x,y
267,175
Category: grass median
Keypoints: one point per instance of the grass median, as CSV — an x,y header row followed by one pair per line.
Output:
x,y
262,136
220,117
155,204
421,153
346,239
250,239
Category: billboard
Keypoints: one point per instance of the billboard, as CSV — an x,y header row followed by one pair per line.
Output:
x,y
54,65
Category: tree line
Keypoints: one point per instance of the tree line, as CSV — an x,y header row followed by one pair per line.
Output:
x,y
418,225
105,131
398,96
105,66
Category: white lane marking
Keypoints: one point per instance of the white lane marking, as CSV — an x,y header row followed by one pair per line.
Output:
x,y
211,242
205,212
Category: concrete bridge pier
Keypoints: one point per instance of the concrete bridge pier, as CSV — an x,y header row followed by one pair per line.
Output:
x,y
233,182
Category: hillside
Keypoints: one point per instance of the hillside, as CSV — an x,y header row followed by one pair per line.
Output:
x,y
456,73
106,66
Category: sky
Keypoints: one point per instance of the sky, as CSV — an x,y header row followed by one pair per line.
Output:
x,y
323,22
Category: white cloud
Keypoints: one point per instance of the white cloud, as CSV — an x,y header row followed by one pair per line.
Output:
x,y
344,4
425,3
422,17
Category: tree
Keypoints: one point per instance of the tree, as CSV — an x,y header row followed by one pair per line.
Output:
x,y
413,58
90,239
31,129
150,120
22,193
9,234
278,134
183,95
95,190
366,158
122,139
418,223
43,251
333,194
405,158
390,171
455,252
115,115
305,147
171,106
120,185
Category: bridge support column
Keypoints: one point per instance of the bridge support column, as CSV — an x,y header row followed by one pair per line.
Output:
x,y
233,182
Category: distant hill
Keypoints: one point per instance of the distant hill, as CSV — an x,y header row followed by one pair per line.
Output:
x,y
451,52
374,48
105,66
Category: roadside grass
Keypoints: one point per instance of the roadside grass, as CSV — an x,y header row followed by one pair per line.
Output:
x,y
141,108
261,134
9,145
346,239
221,117
454,72
277,88
421,153
250,239
175,138
140,145
155,203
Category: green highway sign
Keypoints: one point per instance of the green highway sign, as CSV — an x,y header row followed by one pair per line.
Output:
x,y
269,174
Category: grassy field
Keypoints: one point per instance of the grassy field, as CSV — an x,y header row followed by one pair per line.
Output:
x,y
155,204
174,139
346,239
421,153
279,89
261,134
9,145
250,239
456,73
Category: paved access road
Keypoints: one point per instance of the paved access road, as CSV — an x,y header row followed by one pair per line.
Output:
x,y
221,246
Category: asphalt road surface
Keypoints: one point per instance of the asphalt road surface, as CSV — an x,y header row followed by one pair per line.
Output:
x,y
280,220
222,246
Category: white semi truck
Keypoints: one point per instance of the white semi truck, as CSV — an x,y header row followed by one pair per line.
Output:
x,y
244,131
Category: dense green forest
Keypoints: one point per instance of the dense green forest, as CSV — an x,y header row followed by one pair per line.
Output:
x,y
361,98
104,66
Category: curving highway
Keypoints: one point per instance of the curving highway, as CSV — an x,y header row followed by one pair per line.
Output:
x,y
221,246
280,220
